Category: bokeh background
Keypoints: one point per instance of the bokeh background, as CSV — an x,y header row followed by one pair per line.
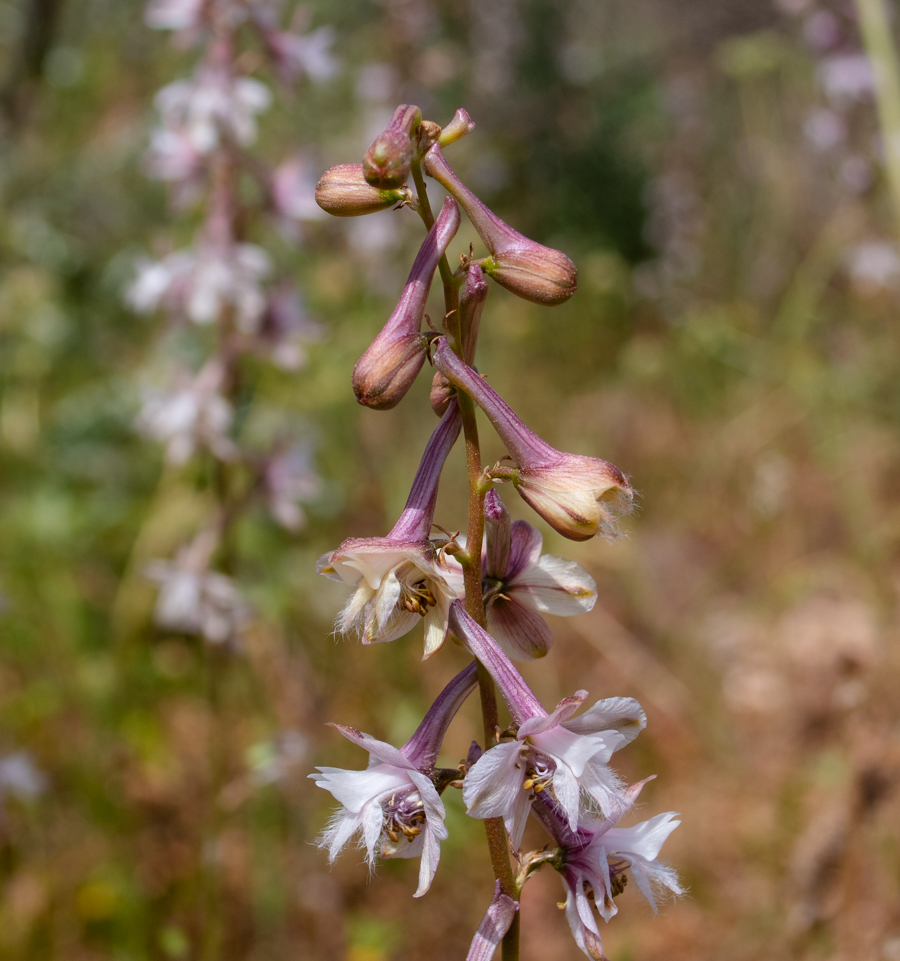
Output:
x,y
713,167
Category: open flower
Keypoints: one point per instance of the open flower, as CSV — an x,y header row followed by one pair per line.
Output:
x,y
394,804
577,496
402,578
569,756
520,584
593,859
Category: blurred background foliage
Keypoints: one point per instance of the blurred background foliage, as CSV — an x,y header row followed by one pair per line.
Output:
x,y
712,167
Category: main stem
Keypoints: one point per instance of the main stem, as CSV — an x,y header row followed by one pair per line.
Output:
x,y
494,827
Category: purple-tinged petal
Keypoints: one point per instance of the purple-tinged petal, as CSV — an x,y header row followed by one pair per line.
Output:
x,y
494,925
622,714
423,747
386,753
567,793
497,532
354,789
390,364
518,629
525,548
581,920
555,586
518,695
565,709
372,824
494,782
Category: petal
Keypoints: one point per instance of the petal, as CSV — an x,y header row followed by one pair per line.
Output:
x,y
622,714
556,586
522,633
323,566
354,789
517,818
372,826
494,925
524,548
341,828
385,752
566,708
565,787
431,801
435,627
431,854
602,784
491,787
581,920
645,839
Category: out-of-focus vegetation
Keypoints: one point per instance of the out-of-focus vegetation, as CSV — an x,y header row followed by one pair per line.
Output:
x,y
733,346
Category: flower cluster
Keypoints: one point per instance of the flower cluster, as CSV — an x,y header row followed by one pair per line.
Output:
x,y
487,591
226,283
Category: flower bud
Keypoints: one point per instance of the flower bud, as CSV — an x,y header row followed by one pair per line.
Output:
x,y
441,393
387,162
577,496
497,533
459,126
524,267
385,372
343,192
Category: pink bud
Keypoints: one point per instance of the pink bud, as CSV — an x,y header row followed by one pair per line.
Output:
x,y
387,162
385,372
343,192
524,267
577,496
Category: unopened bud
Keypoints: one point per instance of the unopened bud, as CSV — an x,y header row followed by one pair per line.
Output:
x,y
524,267
387,162
497,535
441,393
385,372
459,126
343,192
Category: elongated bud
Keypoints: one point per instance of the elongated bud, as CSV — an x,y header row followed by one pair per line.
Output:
x,y
343,192
385,372
577,496
496,529
387,162
524,267
459,126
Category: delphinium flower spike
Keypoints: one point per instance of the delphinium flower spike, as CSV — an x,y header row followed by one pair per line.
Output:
x,y
401,578
395,804
578,496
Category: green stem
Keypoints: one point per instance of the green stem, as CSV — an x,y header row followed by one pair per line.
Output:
x,y
498,844
877,35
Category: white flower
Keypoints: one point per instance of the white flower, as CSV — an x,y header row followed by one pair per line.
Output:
x,y
194,599
847,76
173,14
200,282
293,187
298,55
593,861
20,777
291,480
397,583
192,415
287,328
212,104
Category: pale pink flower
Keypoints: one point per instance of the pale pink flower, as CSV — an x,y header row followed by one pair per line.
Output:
x,y
287,328
401,579
213,104
291,480
394,805
520,584
304,55
593,858
190,416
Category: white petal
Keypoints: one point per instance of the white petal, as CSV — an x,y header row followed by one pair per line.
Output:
x,y
517,818
645,839
556,586
354,789
621,714
372,826
386,753
494,782
574,750
565,787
